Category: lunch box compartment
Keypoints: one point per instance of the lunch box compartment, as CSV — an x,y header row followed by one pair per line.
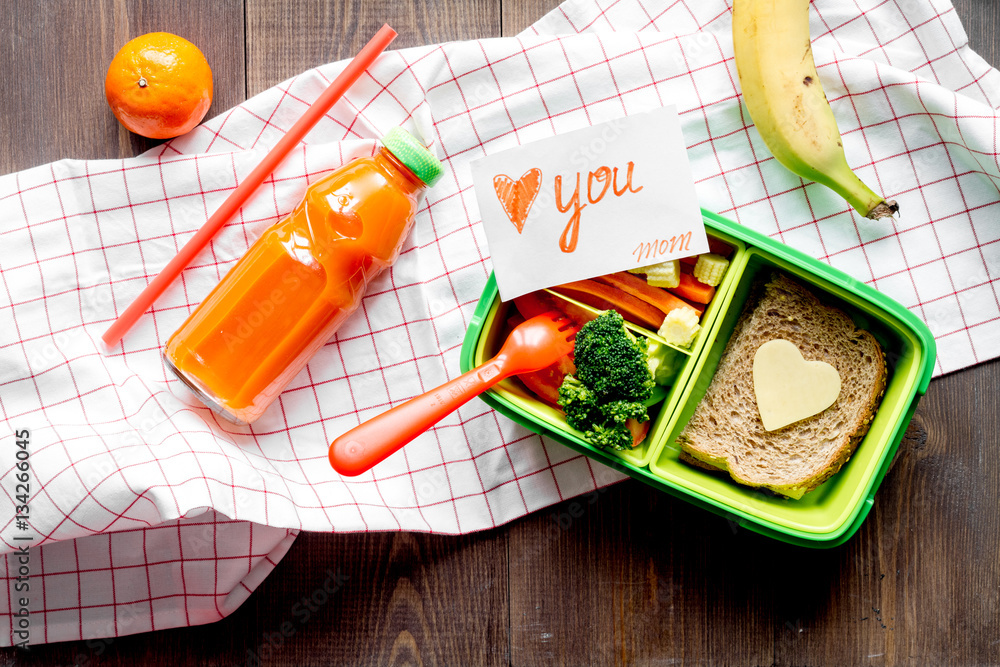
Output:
x,y
835,504
529,407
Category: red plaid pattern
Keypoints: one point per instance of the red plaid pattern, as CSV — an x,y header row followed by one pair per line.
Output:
x,y
136,483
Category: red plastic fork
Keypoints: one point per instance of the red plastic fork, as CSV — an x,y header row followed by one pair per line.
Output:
x,y
531,346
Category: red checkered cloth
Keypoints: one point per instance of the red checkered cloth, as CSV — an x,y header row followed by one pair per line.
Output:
x,y
156,514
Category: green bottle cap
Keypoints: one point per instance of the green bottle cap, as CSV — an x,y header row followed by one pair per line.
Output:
x,y
412,153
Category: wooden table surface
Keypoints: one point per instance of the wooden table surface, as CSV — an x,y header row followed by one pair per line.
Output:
x,y
634,578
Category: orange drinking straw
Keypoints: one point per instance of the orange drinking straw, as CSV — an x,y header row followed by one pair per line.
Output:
x,y
238,197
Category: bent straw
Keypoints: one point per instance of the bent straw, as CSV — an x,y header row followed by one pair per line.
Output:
x,y
238,197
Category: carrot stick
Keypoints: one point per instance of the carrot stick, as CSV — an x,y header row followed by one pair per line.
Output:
x,y
605,297
657,297
692,289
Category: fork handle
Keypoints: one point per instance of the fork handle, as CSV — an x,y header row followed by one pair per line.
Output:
x,y
372,441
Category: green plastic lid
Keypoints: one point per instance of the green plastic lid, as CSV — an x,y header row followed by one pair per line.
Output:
x,y
412,153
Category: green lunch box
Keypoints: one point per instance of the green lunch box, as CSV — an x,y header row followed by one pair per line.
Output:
x,y
824,517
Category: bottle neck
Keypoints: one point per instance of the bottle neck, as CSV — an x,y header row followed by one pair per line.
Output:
x,y
409,181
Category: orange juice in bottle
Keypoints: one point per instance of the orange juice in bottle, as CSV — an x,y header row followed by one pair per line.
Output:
x,y
284,299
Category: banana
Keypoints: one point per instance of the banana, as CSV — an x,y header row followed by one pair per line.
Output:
x,y
785,98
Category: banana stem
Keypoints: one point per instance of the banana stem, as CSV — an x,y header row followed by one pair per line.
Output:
x,y
863,199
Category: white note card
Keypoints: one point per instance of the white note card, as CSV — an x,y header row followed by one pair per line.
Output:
x,y
606,198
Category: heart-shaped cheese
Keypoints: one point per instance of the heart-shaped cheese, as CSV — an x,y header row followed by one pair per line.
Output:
x,y
789,388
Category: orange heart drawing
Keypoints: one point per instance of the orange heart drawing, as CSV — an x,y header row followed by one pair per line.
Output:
x,y
518,196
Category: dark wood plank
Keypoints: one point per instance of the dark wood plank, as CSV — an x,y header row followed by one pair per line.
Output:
x,y
55,57
630,575
286,37
402,599
654,579
519,14
916,581
981,19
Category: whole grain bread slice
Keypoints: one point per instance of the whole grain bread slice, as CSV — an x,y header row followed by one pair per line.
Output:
x,y
726,431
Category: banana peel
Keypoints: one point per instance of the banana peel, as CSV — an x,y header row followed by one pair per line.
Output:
x,y
785,98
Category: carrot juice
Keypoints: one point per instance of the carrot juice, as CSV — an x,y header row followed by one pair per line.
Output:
x,y
284,299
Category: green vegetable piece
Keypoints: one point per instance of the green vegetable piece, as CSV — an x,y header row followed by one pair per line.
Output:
x,y
579,403
610,438
664,362
613,379
611,361
618,412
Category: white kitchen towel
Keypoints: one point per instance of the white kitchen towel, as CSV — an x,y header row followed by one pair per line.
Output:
x,y
118,448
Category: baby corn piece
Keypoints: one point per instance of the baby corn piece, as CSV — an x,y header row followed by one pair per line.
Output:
x,y
664,274
679,327
710,268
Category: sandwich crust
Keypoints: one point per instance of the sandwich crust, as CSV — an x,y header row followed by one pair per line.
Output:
x,y
726,431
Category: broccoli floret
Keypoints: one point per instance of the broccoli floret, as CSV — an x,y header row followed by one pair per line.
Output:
x,y
579,403
611,361
612,380
616,437
618,412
